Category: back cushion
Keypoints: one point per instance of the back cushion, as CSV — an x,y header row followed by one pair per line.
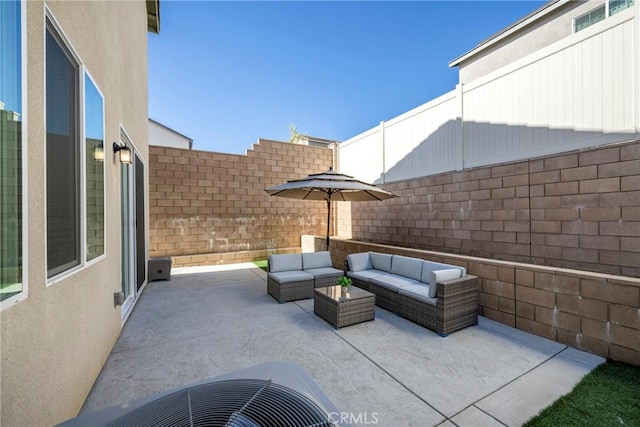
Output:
x,y
429,266
407,267
316,260
381,261
285,262
440,276
359,262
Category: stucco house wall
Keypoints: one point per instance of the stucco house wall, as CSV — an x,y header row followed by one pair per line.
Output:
x,y
55,342
506,47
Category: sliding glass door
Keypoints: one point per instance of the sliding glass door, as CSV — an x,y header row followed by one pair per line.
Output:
x,y
134,249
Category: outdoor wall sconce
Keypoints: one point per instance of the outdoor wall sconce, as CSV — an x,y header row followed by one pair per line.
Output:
x,y
125,152
98,153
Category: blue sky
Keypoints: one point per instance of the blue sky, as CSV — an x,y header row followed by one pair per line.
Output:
x,y
228,73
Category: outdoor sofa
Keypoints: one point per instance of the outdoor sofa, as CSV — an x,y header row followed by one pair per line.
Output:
x,y
438,296
292,277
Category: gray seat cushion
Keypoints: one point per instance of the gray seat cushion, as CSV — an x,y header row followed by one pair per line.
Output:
x,y
290,276
407,267
324,272
364,275
393,282
316,260
285,262
420,292
359,262
381,262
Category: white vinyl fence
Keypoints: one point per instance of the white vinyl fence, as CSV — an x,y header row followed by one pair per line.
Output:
x,y
579,92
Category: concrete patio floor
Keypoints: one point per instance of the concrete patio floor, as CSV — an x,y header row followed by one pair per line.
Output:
x,y
208,321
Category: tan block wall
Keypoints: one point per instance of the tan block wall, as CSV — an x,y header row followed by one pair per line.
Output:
x,y
598,313
202,204
579,210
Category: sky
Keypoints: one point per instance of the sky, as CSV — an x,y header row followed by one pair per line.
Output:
x,y
226,73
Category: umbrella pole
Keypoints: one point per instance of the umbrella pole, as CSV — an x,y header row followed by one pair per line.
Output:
x,y
328,219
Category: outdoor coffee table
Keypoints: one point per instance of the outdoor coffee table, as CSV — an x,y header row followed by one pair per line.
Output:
x,y
344,309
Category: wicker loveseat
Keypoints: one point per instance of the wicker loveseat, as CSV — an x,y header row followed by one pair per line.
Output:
x,y
441,297
292,277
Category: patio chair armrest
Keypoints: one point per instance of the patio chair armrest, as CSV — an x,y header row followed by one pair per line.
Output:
x,y
462,285
457,304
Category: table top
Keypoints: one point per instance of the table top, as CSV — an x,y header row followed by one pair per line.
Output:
x,y
335,293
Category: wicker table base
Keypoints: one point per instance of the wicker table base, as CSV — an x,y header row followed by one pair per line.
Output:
x,y
344,309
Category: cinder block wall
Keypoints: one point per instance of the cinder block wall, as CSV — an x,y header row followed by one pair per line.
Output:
x,y
594,312
579,210
210,208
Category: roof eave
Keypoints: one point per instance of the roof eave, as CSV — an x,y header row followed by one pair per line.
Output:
x,y
153,16
537,14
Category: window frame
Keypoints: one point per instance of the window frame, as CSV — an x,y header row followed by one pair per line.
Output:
x,y
589,12
24,293
88,262
607,14
52,27
609,8
82,72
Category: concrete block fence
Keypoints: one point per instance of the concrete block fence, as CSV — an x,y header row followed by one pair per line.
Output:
x,y
207,207
578,210
595,312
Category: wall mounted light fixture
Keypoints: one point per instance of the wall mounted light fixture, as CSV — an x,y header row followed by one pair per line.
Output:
x,y
124,153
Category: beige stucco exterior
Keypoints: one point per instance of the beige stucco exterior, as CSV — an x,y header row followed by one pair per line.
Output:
x,y
542,31
55,342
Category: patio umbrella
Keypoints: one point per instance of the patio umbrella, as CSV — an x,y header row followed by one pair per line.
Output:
x,y
329,186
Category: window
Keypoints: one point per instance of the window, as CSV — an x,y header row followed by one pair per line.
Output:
x,y
616,6
63,157
94,173
12,287
590,18
601,12
75,159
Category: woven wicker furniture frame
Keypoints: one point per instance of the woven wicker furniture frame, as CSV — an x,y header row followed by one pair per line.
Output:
x,y
456,305
293,291
290,291
297,290
344,312
321,282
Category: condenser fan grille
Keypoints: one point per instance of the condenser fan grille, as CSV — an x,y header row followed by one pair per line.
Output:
x,y
232,403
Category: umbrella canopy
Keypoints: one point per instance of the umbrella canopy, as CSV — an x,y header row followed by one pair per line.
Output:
x,y
329,186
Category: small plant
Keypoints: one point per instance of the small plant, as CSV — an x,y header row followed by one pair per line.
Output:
x,y
344,281
294,134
